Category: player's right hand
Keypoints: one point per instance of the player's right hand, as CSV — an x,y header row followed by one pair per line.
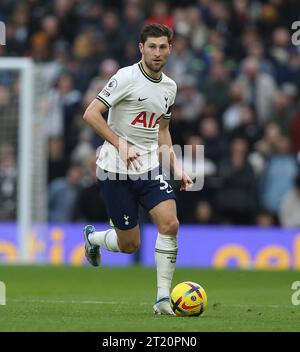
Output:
x,y
129,155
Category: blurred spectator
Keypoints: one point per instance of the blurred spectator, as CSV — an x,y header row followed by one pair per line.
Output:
x,y
240,16
40,49
265,219
89,206
160,13
214,143
268,144
295,132
57,163
60,106
189,22
220,17
179,128
194,161
294,68
259,89
83,43
181,61
256,50
130,55
236,200
278,177
203,213
200,169
86,67
84,147
232,115
132,22
50,26
217,81
62,195
290,208
190,99
5,98
65,11
92,13
8,183
112,33
61,59
197,30
279,52
248,128
20,19
107,69
284,107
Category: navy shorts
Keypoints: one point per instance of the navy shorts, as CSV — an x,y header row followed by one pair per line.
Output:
x,y
122,197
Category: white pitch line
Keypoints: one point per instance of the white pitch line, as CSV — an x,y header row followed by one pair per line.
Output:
x,y
212,305
55,301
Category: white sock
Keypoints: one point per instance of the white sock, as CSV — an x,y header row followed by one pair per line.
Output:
x,y
165,259
107,239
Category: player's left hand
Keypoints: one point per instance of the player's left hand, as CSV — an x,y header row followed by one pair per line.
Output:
x,y
186,182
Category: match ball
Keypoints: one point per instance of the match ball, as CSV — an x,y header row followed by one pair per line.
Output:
x,y
188,299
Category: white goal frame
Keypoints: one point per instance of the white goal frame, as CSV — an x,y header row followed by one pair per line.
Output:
x,y
25,137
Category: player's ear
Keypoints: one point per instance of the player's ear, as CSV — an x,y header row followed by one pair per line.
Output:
x,y
141,47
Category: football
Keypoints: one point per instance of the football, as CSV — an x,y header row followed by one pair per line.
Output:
x,y
188,299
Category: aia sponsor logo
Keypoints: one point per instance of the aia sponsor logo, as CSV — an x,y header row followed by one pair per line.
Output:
x,y
146,120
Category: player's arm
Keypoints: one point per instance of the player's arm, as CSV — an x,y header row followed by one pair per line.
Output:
x,y
94,117
164,139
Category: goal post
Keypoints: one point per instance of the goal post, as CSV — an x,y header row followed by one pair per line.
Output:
x,y
29,142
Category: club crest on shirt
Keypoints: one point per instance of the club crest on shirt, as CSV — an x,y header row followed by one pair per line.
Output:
x,y
166,100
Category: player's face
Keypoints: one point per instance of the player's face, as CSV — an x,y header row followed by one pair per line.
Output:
x,y
155,52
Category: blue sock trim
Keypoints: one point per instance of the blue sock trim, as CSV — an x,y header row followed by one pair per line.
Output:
x,y
167,298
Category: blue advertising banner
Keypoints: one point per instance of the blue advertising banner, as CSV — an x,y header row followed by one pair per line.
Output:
x,y
198,246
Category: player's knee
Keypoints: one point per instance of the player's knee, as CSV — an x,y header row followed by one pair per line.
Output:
x,y
131,247
170,226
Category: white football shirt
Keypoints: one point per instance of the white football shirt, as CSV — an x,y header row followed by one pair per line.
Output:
x,y
136,103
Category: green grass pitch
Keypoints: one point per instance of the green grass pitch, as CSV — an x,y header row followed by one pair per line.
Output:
x,y
44,298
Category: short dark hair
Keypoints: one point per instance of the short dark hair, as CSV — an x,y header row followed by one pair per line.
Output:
x,y
156,30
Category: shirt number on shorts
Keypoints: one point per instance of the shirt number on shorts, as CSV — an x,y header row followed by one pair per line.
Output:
x,y
163,184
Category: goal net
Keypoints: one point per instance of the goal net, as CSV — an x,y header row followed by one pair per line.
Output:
x,y
23,149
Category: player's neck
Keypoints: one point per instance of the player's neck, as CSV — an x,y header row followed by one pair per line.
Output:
x,y
155,75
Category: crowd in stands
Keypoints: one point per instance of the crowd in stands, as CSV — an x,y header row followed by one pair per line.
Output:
x,y
238,77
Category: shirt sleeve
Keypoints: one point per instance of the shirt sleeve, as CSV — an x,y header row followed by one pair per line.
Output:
x,y
116,89
172,100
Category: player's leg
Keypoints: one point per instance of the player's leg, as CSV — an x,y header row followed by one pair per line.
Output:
x,y
112,239
164,215
116,240
157,197
122,208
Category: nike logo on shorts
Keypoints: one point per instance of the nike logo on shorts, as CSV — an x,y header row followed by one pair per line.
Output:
x,y
140,99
